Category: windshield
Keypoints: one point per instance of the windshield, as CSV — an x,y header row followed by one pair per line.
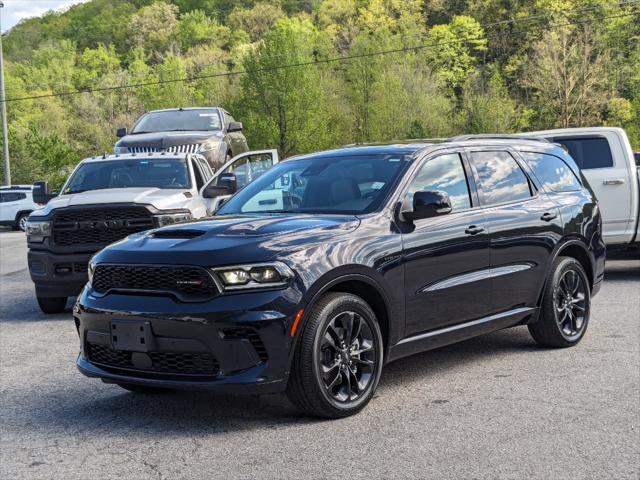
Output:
x,y
145,173
178,120
350,185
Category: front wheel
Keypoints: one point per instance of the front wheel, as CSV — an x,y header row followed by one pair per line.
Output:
x,y
21,222
566,305
338,360
52,304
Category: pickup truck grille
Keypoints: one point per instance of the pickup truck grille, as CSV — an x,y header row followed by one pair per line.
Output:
x,y
98,226
190,148
187,283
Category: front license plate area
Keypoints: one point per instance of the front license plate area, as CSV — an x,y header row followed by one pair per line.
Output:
x,y
134,336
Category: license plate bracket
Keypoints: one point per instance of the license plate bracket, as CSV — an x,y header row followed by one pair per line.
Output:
x,y
131,335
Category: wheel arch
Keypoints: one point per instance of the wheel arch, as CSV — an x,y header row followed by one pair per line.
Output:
x,y
365,287
20,213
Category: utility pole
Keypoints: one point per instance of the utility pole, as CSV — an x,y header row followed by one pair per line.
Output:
x,y
5,139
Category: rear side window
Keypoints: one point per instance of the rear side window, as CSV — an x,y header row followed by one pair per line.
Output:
x,y
588,152
501,178
554,174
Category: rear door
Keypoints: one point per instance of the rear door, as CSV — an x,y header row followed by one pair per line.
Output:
x,y
524,226
246,167
601,159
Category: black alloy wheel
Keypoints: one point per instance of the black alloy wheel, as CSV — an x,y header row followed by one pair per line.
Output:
x,y
338,358
566,303
347,356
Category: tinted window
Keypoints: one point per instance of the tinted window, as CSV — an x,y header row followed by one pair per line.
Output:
x,y
588,152
554,174
637,157
13,196
178,120
350,184
501,178
143,173
444,173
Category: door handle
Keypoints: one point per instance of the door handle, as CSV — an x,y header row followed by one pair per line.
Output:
x,y
473,230
547,217
613,181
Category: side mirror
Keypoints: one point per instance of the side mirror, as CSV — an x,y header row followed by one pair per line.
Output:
x,y
234,127
41,192
121,132
227,185
427,204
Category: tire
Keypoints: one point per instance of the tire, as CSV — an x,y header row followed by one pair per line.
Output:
x,y
566,305
143,389
52,304
21,222
320,349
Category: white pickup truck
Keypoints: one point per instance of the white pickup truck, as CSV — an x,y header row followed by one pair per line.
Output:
x,y
607,161
107,198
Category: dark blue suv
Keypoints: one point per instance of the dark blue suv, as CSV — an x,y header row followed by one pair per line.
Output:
x,y
332,264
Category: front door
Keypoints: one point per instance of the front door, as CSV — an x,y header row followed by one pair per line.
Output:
x,y
446,256
246,167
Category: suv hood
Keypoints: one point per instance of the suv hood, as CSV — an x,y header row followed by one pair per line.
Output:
x,y
160,198
167,139
230,239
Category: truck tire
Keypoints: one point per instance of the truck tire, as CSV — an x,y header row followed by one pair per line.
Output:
x,y
21,221
52,304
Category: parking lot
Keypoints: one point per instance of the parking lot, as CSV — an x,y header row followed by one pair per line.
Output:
x,y
492,407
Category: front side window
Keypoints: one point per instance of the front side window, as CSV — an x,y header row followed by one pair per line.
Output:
x,y
501,178
178,120
350,185
554,174
588,152
249,167
444,173
13,197
139,173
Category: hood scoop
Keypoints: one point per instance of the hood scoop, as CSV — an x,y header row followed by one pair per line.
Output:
x,y
178,233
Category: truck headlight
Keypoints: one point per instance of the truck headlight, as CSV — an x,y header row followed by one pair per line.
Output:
x,y
208,146
256,275
163,219
119,150
37,231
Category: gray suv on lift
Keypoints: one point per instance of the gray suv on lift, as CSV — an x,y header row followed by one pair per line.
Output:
x,y
209,131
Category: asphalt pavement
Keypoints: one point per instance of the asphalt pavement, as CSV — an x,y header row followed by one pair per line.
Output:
x,y
496,406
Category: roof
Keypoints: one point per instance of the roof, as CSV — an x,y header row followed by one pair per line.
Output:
x,y
136,156
16,187
176,109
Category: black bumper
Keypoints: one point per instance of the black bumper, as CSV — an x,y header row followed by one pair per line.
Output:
x,y
234,343
58,275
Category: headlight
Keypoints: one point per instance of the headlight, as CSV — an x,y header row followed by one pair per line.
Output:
x,y
207,146
37,231
257,275
91,266
118,150
163,219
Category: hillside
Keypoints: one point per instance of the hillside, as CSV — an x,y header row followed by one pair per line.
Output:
x,y
307,75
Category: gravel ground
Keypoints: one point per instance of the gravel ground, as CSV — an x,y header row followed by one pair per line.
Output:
x,y
493,407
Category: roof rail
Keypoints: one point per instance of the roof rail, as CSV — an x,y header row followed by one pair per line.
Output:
x,y
16,187
496,136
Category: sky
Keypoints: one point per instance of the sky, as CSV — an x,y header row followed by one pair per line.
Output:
x,y
16,10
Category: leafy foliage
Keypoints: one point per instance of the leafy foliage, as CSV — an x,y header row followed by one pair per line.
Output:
x,y
450,67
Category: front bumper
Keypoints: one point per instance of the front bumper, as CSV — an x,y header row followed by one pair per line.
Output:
x,y
236,343
58,275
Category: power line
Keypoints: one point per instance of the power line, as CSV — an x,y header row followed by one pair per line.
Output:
x,y
288,66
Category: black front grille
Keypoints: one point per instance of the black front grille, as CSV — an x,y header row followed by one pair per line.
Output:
x,y
188,283
175,363
250,334
98,226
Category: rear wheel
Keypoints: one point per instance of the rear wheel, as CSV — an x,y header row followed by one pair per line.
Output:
x,y
52,304
338,359
565,306
143,389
